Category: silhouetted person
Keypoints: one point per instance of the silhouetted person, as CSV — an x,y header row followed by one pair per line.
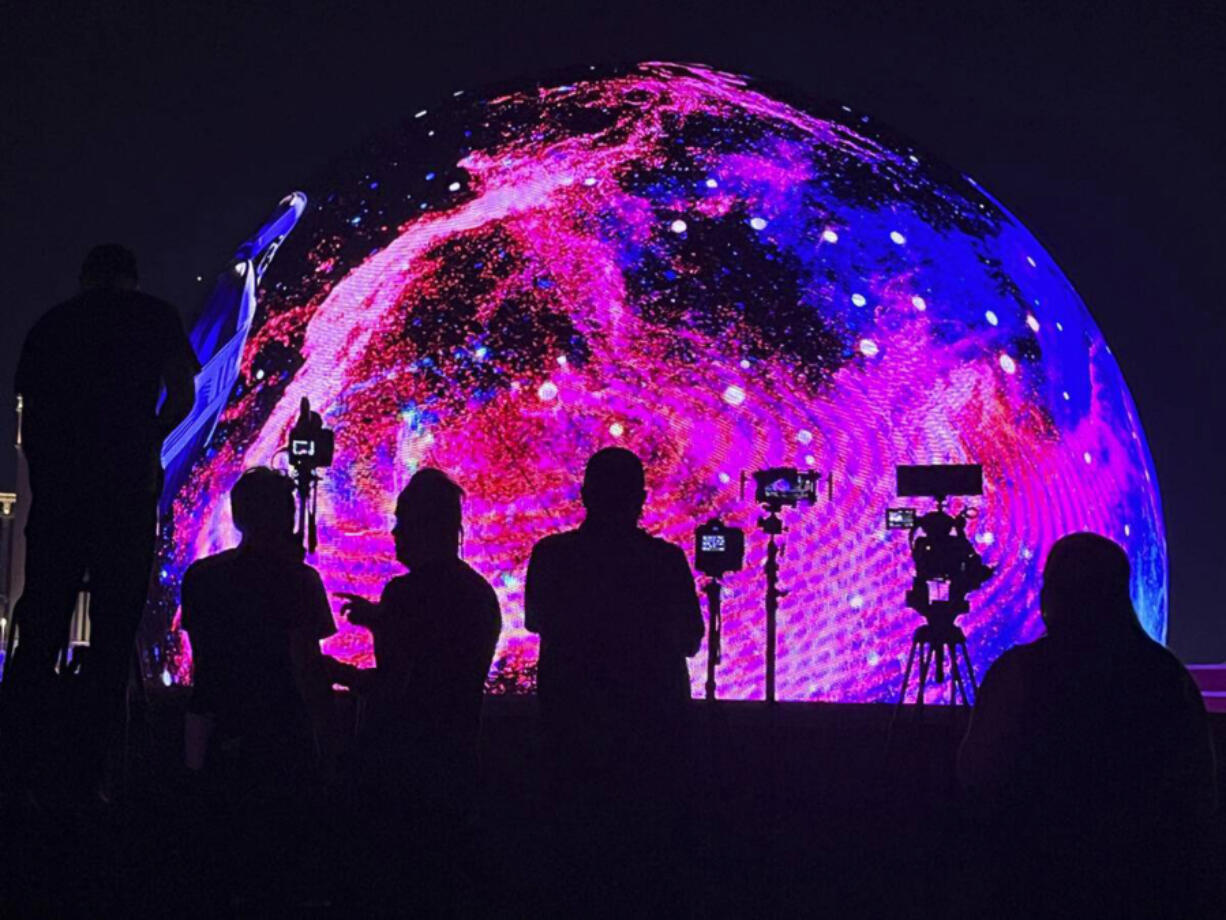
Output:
x,y
255,616
1089,754
435,631
89,378
618,615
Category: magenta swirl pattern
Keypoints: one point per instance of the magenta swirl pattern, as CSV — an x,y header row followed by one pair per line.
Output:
x,y
722,277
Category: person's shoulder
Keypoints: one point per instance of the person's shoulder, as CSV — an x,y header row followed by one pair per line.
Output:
x,y
477,582
151,314
213,563
210,568
1162,662
556,543
665,549
1020,658
144,301
397,588
65,312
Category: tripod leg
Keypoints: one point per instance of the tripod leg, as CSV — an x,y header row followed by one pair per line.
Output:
x,y
956,684
970,669
906,674
970,672
925,664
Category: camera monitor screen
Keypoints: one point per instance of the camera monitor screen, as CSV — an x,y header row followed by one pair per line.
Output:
x,y
899,518
720,275
714,543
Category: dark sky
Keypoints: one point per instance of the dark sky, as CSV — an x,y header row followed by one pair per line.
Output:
x,y
174,127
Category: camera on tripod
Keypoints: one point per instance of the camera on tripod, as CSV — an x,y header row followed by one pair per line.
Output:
x,y
311,447
947,569
947,566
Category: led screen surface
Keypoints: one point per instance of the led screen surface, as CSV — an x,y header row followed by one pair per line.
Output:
x,y
679,261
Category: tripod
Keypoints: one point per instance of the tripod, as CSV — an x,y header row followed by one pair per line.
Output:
x,y
772,526
938,643
306,486
715,624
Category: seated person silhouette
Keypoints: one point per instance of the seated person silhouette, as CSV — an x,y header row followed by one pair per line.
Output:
x,y
618,615
89,378
1089,754
255,616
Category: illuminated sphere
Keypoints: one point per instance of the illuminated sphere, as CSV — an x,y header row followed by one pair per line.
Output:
x,y
722,279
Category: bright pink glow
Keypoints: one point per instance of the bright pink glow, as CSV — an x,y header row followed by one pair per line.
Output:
x,y
654,249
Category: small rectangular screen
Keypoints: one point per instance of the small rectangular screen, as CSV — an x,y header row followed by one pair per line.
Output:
x,y
899,518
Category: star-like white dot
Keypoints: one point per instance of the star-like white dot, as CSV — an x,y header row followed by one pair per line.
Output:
x,y
734,395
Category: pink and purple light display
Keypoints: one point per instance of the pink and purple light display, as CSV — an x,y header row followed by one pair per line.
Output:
x,y
675,259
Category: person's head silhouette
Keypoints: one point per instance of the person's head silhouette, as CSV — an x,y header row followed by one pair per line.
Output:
x,y
1085,589
429,519
262,505
109,266
613,487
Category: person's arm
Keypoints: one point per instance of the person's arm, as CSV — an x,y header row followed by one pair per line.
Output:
x,y
26,381
538,591
27,365
308,660
1191,781
358,610
686,610
178,371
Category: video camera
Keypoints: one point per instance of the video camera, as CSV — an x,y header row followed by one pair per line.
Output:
x,y
718,548
946,563
311,445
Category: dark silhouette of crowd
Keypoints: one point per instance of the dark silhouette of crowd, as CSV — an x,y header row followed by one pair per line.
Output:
x,y
1088,768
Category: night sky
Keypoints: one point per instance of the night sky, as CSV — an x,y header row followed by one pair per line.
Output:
x,y
175,129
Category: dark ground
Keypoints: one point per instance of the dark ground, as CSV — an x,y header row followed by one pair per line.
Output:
x,y
799,812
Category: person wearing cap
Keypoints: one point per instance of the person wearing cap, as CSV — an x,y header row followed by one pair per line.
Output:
x,y
90,380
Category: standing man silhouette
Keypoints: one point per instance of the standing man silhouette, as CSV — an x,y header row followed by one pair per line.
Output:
x,y
89,378
435,630
618,615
